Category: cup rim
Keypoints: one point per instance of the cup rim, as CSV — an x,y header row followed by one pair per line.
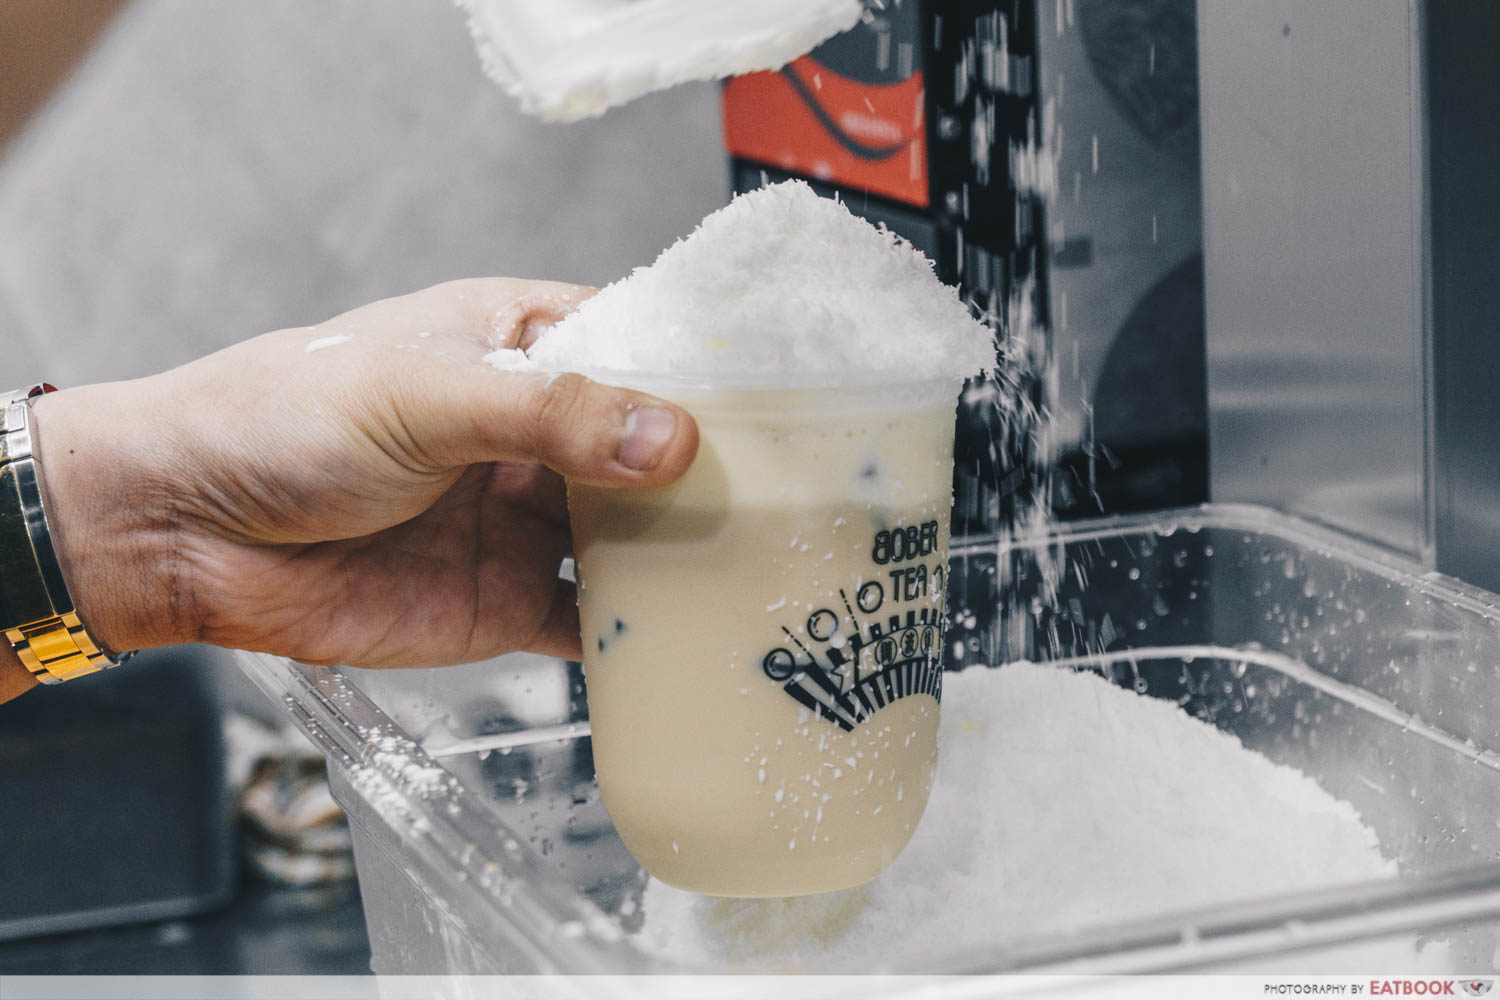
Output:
x,y
815,381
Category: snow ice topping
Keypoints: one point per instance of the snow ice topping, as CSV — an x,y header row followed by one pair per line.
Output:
x,y
779,283
1063,802
570,59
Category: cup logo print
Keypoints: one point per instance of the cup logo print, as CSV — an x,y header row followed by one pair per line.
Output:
x,y
1477,987
883,640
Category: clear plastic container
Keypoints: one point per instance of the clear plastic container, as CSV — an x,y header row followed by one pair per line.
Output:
x,y
1377,679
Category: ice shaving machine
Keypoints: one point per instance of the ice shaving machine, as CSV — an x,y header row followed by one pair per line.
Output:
x,y
1247,250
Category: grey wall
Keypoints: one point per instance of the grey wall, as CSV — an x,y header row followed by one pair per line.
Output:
x,y
217,170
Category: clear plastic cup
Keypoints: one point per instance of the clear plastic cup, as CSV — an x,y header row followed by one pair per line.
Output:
x,y
763,638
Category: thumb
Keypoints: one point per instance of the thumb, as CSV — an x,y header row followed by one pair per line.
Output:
x,y
584,430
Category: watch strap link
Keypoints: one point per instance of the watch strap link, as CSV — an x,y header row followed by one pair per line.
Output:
x,y
59,649
36,611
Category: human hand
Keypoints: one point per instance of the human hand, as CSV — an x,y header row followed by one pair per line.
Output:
x,y
385,500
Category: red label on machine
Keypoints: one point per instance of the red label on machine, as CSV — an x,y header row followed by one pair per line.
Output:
x,y
807,119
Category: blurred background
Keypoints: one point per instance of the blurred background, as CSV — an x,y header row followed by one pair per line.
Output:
x,y
1258,240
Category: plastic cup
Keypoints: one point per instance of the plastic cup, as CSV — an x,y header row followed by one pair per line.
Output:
x,y
763,638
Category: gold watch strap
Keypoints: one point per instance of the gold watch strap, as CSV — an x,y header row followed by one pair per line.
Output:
x,y
58,649
36,611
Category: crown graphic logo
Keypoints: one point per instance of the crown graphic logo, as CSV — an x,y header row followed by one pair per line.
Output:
x,y
847,669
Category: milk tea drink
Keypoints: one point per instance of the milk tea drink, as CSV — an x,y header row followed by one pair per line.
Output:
x,y
763,639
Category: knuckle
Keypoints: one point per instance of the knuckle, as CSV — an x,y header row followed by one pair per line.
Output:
x,y
558,407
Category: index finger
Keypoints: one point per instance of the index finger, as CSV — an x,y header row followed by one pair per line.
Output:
x,y
492,312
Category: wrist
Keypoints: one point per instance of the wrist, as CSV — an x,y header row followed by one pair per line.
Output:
x,y
102,479
14,677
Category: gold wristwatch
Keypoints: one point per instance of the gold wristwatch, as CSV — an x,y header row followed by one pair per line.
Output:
x,y
36,612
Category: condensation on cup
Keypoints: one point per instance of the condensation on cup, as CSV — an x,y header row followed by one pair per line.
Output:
x,y
763,639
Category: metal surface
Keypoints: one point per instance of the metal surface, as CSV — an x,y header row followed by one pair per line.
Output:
x,y
267,930
1464,169
1312,119
1120,86
116,807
